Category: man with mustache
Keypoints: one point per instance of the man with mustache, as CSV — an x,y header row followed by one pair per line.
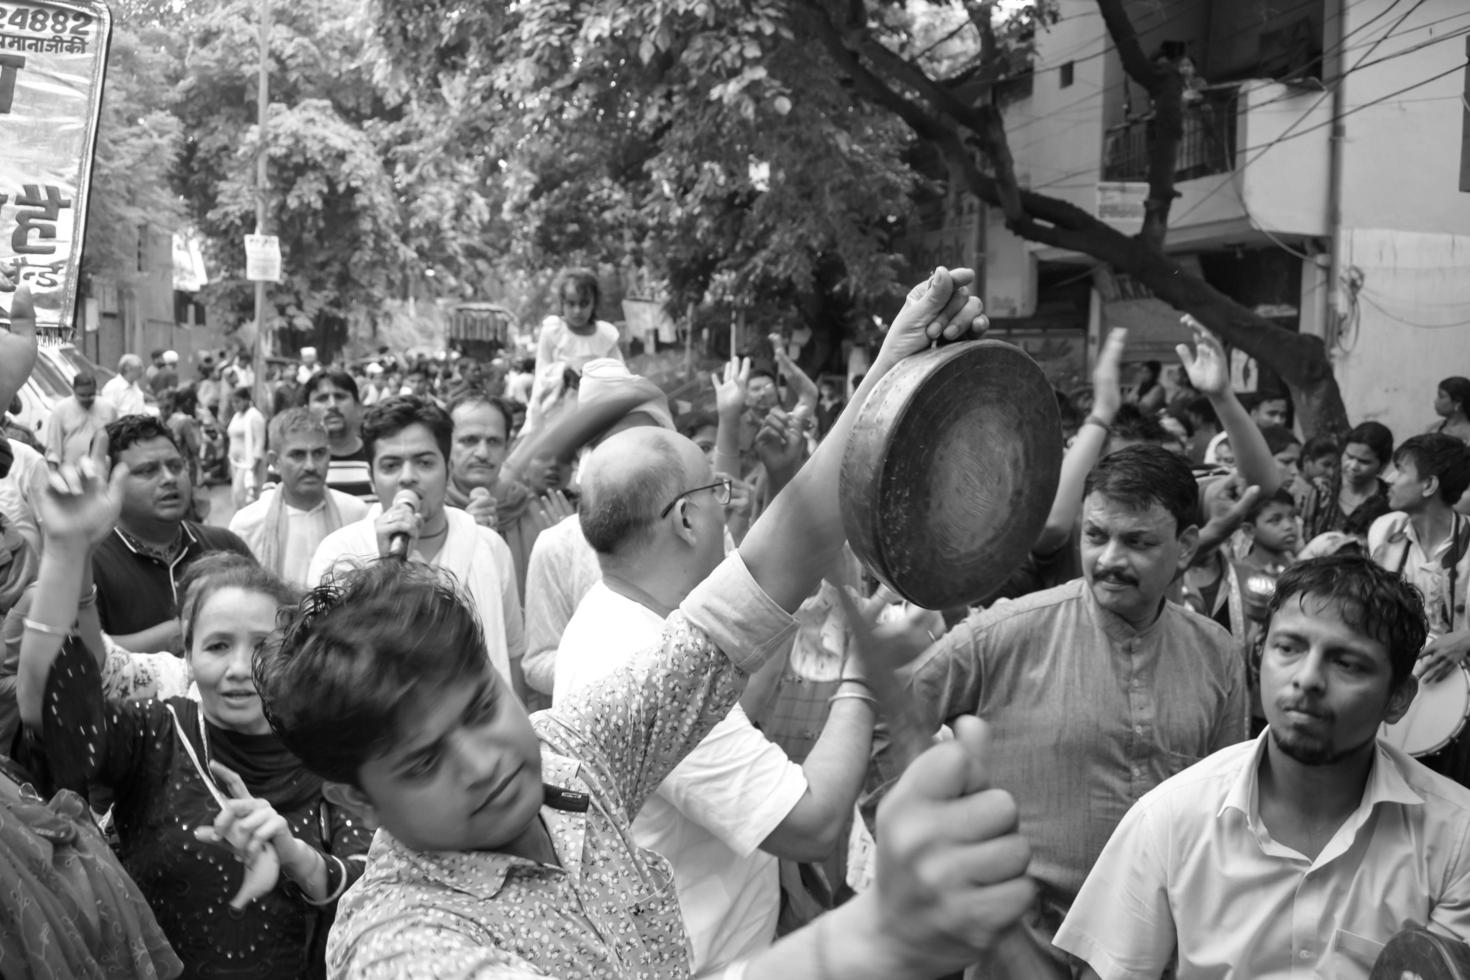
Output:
x,y
138,566
333,396
290,519
1304,851
1095,691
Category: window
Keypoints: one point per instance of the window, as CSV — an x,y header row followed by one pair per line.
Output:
x,y
1067,73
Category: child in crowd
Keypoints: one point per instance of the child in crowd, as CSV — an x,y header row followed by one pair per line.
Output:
x,y
1274,537
567,342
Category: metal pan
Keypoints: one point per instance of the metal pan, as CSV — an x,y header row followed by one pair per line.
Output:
x,y
950,471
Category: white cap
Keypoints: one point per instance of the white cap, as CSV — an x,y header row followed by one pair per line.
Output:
x,y
308,352
374,368
170,357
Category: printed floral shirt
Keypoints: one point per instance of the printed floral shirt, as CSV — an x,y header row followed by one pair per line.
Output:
x,y
609,910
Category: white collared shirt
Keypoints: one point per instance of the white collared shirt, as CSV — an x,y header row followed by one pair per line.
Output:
x,y
1395,545
1193,870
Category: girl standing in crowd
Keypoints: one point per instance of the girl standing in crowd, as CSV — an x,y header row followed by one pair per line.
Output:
x,y
170,764
568,342
1452,405
1358,496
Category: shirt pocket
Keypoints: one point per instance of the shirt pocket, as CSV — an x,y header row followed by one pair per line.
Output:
x,y
1352,954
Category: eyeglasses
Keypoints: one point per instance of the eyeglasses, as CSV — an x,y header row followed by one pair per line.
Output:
x,y
722,489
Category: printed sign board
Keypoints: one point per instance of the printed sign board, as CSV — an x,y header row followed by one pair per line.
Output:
x,y
262,258
53,54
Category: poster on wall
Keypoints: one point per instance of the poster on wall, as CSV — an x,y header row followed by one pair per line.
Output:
x,y
53,55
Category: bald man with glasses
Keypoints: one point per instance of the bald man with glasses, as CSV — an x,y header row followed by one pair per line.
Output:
x,y
654,513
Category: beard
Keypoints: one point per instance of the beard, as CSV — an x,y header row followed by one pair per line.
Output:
x,y
1312,750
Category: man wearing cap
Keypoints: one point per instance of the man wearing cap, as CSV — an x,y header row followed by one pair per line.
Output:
x,y
563,567
167,374
309,365
1094,691
408,440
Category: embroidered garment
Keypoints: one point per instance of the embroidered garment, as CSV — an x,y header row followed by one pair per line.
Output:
x,y
609,910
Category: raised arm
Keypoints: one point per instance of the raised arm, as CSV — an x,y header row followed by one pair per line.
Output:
x,y
729,406
1087,448
799,536
78,509
1209,372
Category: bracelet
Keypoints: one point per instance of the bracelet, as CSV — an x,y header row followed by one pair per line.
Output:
x,y
90,599
855,680
1094,420
871,701
35,625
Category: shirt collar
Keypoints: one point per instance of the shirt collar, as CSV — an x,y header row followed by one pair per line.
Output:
x,y
483,874
1386,783
1116,627
186,540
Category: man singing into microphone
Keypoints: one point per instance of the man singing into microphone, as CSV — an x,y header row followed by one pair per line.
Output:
x,y
408,442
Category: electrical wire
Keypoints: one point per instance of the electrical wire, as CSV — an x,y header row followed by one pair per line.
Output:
x,y
1410,323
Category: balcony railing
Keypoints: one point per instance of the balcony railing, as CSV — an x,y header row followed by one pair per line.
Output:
x,y
1207,147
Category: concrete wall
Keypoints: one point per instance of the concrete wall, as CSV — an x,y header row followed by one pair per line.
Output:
x,y
1406,233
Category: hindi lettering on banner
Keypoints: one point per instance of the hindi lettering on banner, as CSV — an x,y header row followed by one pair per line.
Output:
x,y
53,56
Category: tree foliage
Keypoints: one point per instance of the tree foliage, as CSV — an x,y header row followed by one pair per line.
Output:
x,y
743,146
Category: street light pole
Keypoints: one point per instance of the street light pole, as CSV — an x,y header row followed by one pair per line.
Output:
x,y
262,106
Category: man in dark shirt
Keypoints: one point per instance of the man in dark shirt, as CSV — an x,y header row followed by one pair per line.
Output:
x,y
138,566
332,396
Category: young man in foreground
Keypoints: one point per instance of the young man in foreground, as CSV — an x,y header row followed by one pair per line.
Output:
x,y
505,846
1302,852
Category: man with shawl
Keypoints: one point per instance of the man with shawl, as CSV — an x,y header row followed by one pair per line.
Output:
x,y
288,522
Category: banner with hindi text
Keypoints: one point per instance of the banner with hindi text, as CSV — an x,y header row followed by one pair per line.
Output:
x,y
53,55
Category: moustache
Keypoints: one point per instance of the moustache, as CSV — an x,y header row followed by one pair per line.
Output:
x,y
1304,707
1116,578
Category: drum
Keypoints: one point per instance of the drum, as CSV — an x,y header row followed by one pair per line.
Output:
x,y
1435,717
1423,956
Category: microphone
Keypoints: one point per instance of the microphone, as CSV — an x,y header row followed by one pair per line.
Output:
x,y
398,541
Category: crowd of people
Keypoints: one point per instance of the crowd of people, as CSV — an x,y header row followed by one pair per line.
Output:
x,y
511,673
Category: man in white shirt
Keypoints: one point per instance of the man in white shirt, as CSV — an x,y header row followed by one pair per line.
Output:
x,y
408,440
123,391
653,510
1305,851
284,527
75,421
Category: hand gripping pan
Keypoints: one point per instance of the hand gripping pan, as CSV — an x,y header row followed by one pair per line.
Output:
x,y
950,471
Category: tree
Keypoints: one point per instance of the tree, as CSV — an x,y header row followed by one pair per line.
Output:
x,y
664,111
138,140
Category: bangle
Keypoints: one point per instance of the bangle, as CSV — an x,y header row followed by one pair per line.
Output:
x,y
35,625
90,599
854,696
855,680
1094,420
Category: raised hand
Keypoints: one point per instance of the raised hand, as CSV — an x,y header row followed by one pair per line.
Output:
x,y
730,392
17,345
554,507
940,308
1107,386
781,442
804,386
79,507
1207,365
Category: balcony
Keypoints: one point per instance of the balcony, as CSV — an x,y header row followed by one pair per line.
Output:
x,y
1207,146
1253,158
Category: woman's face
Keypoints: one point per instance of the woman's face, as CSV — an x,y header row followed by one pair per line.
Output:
x,y
228,627
1444,407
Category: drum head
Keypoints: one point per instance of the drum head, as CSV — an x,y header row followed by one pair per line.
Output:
x,y
950,471
1435,716
1423,955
